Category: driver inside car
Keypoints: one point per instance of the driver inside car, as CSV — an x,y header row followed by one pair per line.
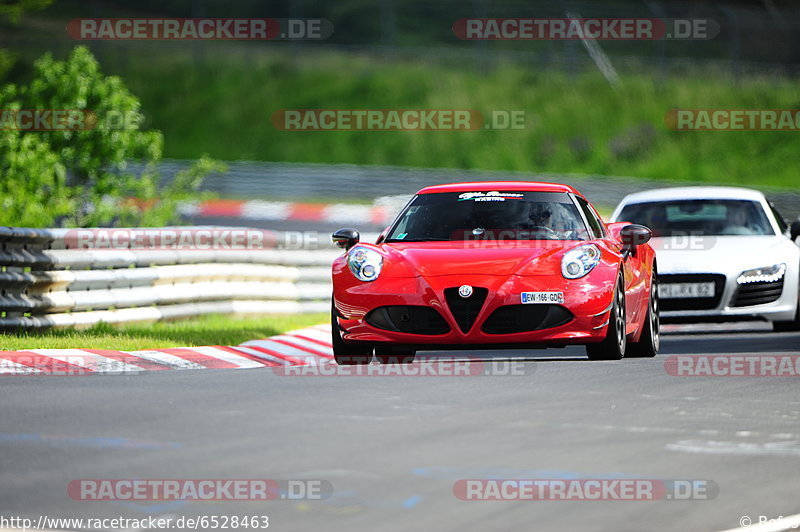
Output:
x,y
540,217
738,222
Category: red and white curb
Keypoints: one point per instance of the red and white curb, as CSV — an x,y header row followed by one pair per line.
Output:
x,y
310,346
283,210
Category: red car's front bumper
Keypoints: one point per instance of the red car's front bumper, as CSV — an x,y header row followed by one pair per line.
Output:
x,y
587,299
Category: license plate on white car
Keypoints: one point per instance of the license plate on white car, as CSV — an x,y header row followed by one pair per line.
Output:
x,y
686,290
529,298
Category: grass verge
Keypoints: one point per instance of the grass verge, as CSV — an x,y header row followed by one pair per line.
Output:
x,y
206,330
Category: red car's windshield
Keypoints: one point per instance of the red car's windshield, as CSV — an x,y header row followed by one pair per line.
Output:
x,y
493,215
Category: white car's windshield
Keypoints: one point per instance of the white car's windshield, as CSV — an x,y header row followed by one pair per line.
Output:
x,y
700,217
494,215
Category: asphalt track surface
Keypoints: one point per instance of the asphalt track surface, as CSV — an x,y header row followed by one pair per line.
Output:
x,y
393,447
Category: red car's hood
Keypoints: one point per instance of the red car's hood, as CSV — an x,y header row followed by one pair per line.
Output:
x,y
471,257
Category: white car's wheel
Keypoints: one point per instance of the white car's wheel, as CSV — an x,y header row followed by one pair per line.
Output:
x,y
788,326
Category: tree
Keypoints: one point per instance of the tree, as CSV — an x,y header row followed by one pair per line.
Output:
x,y
79,176
13,9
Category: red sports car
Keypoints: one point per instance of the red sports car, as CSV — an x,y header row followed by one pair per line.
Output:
x,y
495,265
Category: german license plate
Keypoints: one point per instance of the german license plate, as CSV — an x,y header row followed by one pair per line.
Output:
x,y
686,290
530,298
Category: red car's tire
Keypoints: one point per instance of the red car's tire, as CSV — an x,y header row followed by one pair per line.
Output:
x,y
387,356
615,343
347,354
650,340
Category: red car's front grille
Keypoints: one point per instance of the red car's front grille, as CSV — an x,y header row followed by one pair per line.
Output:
x,y
510,319
465,309
412,319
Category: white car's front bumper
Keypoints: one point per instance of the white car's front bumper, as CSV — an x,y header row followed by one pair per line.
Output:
x,y
722,260
735,300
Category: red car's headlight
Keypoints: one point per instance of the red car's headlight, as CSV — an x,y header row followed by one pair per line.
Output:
x,y
579,261
365,263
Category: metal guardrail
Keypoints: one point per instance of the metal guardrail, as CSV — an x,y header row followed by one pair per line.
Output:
x,y
46,283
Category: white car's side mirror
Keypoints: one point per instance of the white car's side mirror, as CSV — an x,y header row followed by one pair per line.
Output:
x,y
794,232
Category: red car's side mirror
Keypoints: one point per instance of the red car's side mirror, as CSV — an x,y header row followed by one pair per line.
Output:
x,y
635,235
630,236
346,238
794,232
614,230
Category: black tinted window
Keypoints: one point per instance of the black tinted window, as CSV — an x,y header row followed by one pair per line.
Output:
x,y
594,222
700,217
494,215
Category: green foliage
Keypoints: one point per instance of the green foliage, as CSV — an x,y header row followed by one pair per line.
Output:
x,y
573,124
7,60
13,9
33,191
79,177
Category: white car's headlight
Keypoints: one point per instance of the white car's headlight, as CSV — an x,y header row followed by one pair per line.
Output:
x,y
768,274
579,261
365,263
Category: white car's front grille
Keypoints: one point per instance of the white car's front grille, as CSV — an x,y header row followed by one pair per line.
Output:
x,y
757,293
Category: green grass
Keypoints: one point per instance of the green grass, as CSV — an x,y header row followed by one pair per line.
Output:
x,y
207,330
223,104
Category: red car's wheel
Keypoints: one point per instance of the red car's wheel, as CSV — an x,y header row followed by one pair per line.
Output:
x,y
614,345
387,356
650,341
347,354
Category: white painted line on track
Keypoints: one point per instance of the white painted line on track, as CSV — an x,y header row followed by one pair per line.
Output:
x,y
306,345
227,356
314,334
173,361
283,349
265,356
779,448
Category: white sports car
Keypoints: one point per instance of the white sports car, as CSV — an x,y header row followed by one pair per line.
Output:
x,y
723,254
